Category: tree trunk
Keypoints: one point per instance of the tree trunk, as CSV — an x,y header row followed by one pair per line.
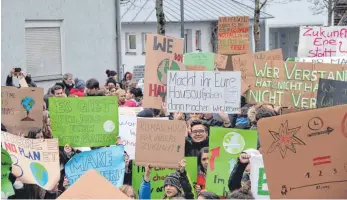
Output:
x,y
256,26
330,12
160,17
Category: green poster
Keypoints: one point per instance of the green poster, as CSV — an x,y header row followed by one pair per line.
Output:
x,y
225,146
205,59
158,176
86,121
6,162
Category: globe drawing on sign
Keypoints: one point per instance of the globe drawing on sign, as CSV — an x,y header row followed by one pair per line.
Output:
x,y
163,67
109,126
39,172
233,143
28,104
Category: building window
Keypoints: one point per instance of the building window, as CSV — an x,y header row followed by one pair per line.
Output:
x,y
130,43
198,40
43,48
144,40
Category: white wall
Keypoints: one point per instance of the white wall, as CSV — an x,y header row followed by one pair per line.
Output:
x,y
89,34
172,29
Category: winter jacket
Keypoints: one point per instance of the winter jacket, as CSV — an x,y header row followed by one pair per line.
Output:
x,y
236,174
78,92
187,188
128,174
130,103
201,180
193,148
145,190
214,122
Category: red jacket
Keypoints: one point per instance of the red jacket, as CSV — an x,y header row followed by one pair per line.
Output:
x,y
78,92
130,103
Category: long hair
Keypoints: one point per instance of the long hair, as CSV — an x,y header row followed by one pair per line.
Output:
x,y
126,188
33,132
45,129
203,150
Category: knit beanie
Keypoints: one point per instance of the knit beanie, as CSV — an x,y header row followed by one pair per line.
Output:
x,y
79,84
174,180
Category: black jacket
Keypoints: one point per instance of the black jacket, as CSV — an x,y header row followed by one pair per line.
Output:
x,y
192,148
9,82
67,88
235,178
188,194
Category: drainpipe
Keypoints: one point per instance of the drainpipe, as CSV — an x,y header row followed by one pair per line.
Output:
x,y
118,38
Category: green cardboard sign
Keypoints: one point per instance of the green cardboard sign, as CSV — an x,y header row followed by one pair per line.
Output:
x,y
290,59
205,59
6,163
158,176
85,122
225,146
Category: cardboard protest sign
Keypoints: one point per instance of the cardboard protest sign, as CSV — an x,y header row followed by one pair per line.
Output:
x,y
163,53
287,84
35,161
331,60
225,147
127,133
108,161
23,82
202,61
92,185
233,35
241,62
203,92
160,142
6,185
84,122
130,111
220,61
158,176
331,93
259,185
21,109
320,41
138,72
315,140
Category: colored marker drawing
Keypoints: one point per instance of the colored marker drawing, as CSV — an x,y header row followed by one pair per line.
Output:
x,y
28,104
285,139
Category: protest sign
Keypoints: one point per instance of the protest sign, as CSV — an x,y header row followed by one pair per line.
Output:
x,y
233,35
259,185
108,161
158,176
331,60
160,142
220,61
287,84
203,92
84,122
23,82
138,72
202,61
35,161
331,93
92,185
6,185
130,111
241,62
320,41
225,147
163,53
127,133
315,140
21,109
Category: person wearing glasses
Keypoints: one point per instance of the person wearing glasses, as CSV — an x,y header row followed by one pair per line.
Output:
x,y
197,137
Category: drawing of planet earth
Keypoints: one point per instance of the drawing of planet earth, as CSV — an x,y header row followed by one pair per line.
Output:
x,y
163,67
109,126
233,143
39,172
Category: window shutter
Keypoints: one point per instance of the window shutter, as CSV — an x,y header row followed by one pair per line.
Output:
x,y
43,51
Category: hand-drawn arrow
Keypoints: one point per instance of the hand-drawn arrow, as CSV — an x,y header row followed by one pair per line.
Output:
x,y
215,153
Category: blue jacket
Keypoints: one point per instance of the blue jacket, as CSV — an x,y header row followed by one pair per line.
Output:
x,y
145,190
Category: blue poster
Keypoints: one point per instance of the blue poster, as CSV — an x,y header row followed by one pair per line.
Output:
x,y
108,161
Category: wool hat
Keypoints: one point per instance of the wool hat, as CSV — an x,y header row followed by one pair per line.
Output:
x,y
79,83
173,180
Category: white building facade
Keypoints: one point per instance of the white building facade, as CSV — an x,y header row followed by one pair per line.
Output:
x,y
48,38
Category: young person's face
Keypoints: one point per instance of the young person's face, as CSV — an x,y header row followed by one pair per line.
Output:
x,y
129,95
111,85
121,97
170,191
117,86
58,93
69,80
93,91
108,93
198,133
195,115
204,160
113,91
208,115
128,77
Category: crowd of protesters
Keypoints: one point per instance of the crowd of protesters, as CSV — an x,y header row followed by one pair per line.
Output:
x,y
176,185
